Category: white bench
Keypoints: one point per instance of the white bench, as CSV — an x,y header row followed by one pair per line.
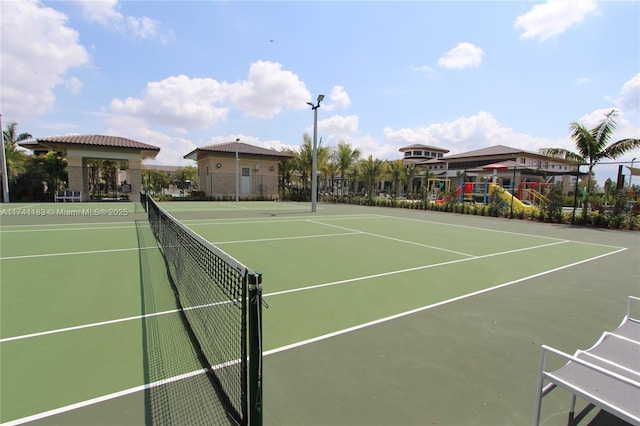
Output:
x,y
68,195
607,375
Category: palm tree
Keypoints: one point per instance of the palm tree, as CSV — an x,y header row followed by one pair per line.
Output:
x,y
15,158
330,171
286,169
185,177
352,173
345,157
372,170
396,171
54,168
410,172
592,146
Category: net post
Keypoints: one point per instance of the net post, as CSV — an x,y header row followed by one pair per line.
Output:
x,y
255,349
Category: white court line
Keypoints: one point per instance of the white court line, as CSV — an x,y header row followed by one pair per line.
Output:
x,y
277,293
100,399
236,221
108,322
76,253
302,237
433,305
394,239
417,268
520,234
98,228
129,391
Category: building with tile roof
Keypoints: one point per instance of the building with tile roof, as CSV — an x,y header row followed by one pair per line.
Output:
x,y
256,174
504,165
83,152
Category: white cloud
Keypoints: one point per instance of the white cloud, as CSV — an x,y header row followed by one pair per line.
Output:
x,y
172,149
464,55
630,95
338,125
183,101
338,99
582,80
177,100
466,134
267,90
107,14
553,18
624,127
38,49
104,12
74,85
425,70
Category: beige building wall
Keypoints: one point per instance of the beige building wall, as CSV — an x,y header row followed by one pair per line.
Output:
x,y
217,175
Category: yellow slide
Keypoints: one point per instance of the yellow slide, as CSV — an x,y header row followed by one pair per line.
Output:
x,y
507,197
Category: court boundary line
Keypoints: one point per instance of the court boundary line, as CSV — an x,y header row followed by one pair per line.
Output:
x,y
263,220
104,398
431,306
98,228
277,293
76,253
313,219
109,322
522,234
301,237
393,239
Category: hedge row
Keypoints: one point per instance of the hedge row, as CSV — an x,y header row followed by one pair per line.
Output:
x,y
626,220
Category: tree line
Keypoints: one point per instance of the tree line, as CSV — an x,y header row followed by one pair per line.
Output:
x,y
342,170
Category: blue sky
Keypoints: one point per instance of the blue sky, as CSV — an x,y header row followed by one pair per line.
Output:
x,y
460,75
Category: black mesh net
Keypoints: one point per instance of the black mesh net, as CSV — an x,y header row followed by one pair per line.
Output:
x,y
211,288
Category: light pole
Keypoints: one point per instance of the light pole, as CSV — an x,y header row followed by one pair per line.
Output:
x,y
631,174
314,164
237,170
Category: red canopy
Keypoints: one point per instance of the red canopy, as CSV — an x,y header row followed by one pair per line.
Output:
x,y
496,166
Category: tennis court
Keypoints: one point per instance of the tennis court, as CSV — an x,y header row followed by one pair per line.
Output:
x,y
375,316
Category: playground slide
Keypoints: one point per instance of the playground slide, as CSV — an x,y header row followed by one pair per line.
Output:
x,y
507,197
448,197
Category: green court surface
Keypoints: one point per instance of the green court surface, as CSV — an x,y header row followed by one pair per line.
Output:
x,y
375,316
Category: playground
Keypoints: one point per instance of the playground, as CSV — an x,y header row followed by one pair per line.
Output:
x,y
527,197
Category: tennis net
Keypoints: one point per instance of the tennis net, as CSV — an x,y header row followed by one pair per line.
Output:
x,y
211,288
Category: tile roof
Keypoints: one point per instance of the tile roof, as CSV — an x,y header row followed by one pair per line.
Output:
x,y
492,150
98,140
243,148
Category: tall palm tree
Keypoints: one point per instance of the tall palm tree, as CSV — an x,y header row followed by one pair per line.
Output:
x,y
410,172
592,146
304,160
372,169
396,172
330,171
15,158
345,157
353,173
286,169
